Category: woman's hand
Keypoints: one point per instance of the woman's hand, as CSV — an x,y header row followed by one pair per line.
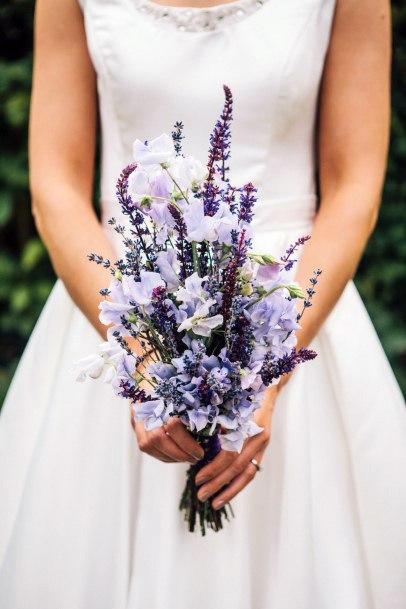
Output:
x,y
171,443
235,469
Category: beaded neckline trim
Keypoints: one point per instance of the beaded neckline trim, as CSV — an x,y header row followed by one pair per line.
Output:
x,y
198,19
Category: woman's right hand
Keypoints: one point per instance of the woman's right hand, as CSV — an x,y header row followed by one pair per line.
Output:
x,y
171,443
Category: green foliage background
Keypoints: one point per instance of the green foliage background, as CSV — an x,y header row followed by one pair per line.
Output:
x,y
26,276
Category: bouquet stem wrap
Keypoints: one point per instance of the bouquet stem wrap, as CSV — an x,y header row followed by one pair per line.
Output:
x,y
192,507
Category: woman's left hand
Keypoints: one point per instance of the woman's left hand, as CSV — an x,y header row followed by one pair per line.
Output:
x,y
235,469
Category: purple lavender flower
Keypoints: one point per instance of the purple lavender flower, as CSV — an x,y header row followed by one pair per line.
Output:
x,y
247,202
219,154
273,368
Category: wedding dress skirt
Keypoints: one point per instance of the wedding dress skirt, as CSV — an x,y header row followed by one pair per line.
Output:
x,y
87,521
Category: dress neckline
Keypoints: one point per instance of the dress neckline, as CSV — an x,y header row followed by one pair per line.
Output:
x,y
199,18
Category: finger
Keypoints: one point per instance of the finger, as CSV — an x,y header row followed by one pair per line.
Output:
x,y
166,445
178,432
251,448
235,487
220,462
146,446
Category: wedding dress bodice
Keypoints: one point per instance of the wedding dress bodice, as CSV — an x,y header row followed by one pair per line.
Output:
x,y
157,65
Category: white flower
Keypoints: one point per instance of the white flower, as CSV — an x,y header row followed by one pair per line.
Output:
x,y
200,322
154,152
249,270
188,172
92,366
138,184
193,289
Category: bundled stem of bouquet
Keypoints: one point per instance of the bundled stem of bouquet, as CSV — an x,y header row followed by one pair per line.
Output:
x,y
214,322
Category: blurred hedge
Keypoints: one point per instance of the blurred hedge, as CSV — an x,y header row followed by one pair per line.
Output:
x,y
26,276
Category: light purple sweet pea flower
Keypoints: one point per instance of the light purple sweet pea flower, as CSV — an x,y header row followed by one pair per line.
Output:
x,y
161,370
234,440
161,183
249,376
274,311
112,312
199,227
199,417
168,266
141,291
268,273
151,412
154,152
225,223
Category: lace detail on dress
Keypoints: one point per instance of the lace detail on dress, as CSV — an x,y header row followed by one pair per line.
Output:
x,y
196,19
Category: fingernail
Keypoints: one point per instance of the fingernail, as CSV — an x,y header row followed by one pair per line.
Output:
x,y
218,504
204,496
198,456
200,481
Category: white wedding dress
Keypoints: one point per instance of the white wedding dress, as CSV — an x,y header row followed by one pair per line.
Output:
x,y
87,521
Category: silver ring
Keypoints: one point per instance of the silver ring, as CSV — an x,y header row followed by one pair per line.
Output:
x,y
257,465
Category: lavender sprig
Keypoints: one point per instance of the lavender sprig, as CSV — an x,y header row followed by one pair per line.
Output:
x,y
291,250
219,152
177,136
247,202
273,368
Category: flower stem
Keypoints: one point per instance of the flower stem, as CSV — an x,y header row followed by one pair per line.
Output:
x,y
177,185
195,258
278,287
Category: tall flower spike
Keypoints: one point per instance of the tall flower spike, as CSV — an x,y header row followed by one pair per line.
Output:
x,y
183,247
274,368
129,209
247,202
178,137
230,275
219,153
289,262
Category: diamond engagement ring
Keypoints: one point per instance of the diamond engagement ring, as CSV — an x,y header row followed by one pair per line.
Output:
x,y
255,462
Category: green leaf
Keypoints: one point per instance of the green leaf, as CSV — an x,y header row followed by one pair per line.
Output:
x,y
20,298
33,252
6,207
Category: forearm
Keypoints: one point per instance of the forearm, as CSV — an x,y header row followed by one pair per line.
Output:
x,y
341,231
71,230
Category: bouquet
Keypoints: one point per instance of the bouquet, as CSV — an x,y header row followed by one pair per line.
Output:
x,y
214,322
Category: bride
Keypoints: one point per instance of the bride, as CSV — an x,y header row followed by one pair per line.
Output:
x,y
89,512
